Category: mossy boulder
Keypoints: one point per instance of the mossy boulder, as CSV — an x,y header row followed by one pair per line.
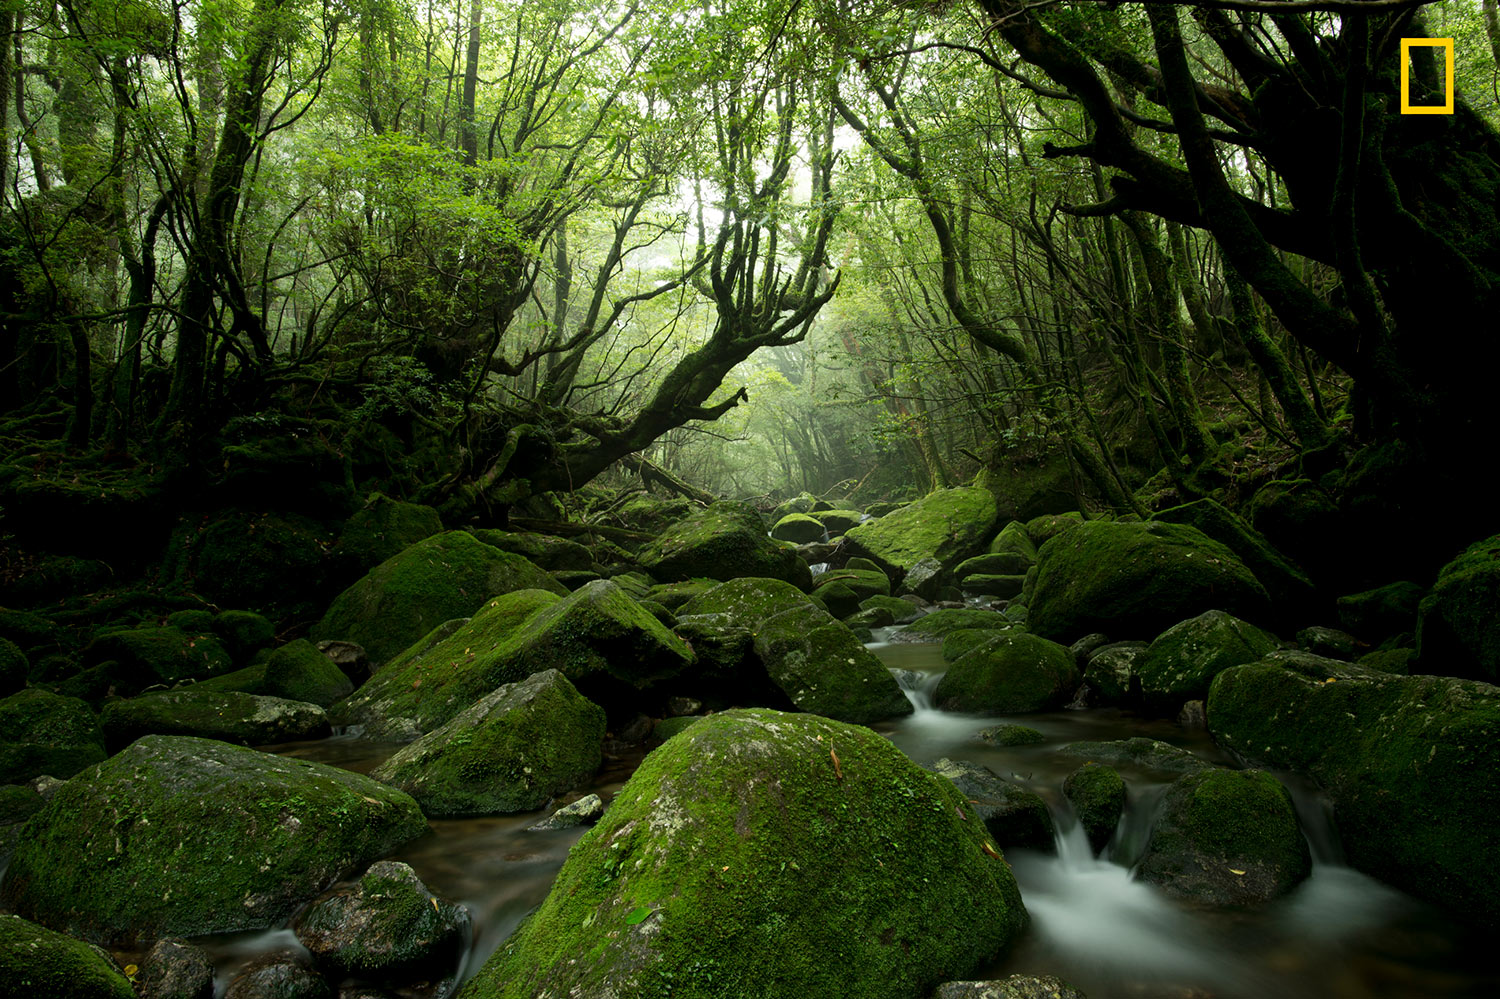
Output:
x,y
993,564
945,620
13,667
902,611
803,502
190,836
38,963
1135,580
1097,794
250,680
243,633
836,598
999,587
965,640
382,529
1286,583
1330,642
673,596
42,733
1226,837
720,624
243,719
723,868
1458,623
403,598
798,528
1008,735
722,541
551,553
510,751
1382,613
1111,672
949,525
387,926
838,522
1013,540
1010,673
1150,755
650,514
1182,661
863,583
274,562
150,655
1409,763
1015,816
1389,660
299,672
823,668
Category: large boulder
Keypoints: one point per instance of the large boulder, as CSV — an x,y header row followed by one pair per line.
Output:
x,y
151,655
274,562
1134,580
403,598
1226,837
37,963
947,620
1011,673
1408,761
43,733
187,836
1458,625
510,751
1285,582
382,529
949,525
724,867
722,541
551,553
244,719
799,528
823,668
297,671
1183,660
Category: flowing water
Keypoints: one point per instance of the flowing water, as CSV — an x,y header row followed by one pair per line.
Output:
x,y
1340,935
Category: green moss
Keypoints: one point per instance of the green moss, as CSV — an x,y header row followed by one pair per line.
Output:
x,y
1146,754
1458,629
723,541
1383,612
1009,735
18,803
150,655
836,598
192,622
14,667
668,727
1226,837
724,868
274,562
188,836
447,576
949,525
42,733
798,528
1014,540
824,668
747,601
36,962
900,608
511,751
1408,761
863,583
552,554
1183,660
299,672
1135,580
243,633
803,502
993,564
383,529
1010,673
673,596
1285,582
1097,794
250,680
1389,660
244,719
1049,525
837,522
965,640
949,619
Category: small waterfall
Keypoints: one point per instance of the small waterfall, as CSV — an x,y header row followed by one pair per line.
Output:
x,y
918,686
818,568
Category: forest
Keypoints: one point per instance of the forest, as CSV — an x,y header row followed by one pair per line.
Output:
x,y
927,499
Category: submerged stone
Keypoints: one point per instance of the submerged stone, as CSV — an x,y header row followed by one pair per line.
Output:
x,y
1015,816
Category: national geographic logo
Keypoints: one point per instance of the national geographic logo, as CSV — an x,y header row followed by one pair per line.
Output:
x,y
1407,107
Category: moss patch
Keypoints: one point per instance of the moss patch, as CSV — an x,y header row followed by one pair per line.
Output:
x,y
244,719
1010,673
35,961
42,733
299,672
949,525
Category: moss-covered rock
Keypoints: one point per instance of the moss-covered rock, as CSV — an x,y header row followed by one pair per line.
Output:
x,y
992,564
191,836
1011,673
837,522
1299,515
1226,837
902,611
944,621
274,562
382,529
150,655
1458,623
36,962
299,672
1408,761
250,680
1286,583
999,587
836,598
1013,540
1183,660
1044,528
823,668
722,868
446,576
949,525
42,733
243,719
1389,660
1111,672
386,926
965,640
510,751
279,975
1382,613
803,502
651,514
1330,642
673,596
1015,816
13,667
863,583
551,553
1097,794
243,633
1146,754
1010,735
1134,580
799,528
723,541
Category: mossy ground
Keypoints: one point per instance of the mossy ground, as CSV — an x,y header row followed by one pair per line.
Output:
x,y
763,855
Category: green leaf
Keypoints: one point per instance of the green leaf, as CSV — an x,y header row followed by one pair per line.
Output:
x,y
637,915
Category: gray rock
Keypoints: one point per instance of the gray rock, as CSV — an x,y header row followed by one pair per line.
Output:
x,y
1014,987
583,812
1013,815
1148,754
278,976
175,969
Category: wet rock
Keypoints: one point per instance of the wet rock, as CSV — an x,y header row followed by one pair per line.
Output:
x,y
447,576
1015,816
187,836
1010,735
1226,837
1183,660
278,976
583,812
387,926
1014,987
1408,762
1328,642
1110,672
1148,754
1135,580
1097,794
299,672
175,969
724,541
511,751
243,719
1194,715
734,840
925,579
37,963
1011,673
42,733
349,657
823,668
944,620
1083,650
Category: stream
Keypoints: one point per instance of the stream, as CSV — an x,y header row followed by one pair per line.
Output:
x,y
1339,935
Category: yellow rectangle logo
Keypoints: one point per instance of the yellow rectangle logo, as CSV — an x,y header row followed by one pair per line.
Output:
x,y
1407,44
